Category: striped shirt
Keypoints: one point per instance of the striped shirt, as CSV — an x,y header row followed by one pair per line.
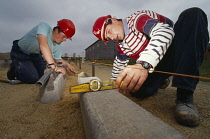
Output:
x,y
147,38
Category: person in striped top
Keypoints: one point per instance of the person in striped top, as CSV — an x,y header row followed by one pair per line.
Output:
x,y
158,45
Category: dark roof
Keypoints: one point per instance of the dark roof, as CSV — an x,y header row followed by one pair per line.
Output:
x,y
93,44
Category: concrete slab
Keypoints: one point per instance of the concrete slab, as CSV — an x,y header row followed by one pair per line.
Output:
x,y
55,94
110,115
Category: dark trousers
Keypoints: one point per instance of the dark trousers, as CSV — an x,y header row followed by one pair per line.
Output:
x,y
184,56
28,67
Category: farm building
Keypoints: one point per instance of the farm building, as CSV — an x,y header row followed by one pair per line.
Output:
x,y
108,51
101,51
5,60
207,55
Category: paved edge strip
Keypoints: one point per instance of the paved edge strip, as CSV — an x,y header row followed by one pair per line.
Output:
x,y
109,114
48,97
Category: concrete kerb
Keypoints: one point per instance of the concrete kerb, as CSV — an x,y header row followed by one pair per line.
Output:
x,y
109,114
50,96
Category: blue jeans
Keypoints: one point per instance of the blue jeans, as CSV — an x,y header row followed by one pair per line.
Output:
x,y
28,67
184,56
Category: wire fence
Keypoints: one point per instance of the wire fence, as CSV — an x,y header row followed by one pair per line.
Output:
x,y
204,69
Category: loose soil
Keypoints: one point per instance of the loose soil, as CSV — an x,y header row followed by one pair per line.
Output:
x,y
22,115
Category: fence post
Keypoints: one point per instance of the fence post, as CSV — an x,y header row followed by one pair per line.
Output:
x,y
93,63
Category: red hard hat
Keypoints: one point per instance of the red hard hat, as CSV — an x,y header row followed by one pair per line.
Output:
x,y
67,26
98,29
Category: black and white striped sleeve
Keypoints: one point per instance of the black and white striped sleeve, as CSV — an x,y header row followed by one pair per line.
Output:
x,y
118,66
161,37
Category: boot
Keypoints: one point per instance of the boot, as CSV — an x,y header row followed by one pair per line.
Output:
x,y
186,113
11,72
164,84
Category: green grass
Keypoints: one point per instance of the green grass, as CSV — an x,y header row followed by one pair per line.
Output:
x,y
106,61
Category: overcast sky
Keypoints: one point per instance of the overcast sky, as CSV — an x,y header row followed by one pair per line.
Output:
x,y
19,16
